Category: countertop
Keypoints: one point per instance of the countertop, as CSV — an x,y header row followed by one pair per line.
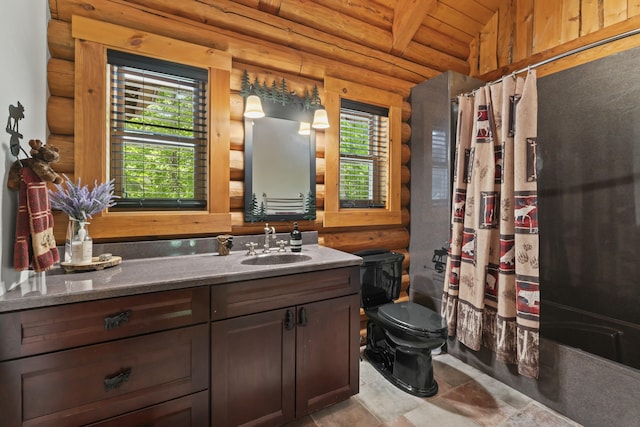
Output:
x,y
137,276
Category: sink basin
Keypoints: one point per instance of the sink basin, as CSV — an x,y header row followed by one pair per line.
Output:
x,y
275,259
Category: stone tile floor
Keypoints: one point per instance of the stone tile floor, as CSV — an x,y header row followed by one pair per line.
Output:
x,y
466,398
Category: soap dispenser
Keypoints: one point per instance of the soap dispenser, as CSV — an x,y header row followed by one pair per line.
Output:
x,y
296,239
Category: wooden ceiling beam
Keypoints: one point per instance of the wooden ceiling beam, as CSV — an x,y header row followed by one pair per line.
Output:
x,y
270,6
407,18
382,71
442,42
233,16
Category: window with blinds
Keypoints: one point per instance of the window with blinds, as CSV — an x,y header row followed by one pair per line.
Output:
x,y
364,155
158,133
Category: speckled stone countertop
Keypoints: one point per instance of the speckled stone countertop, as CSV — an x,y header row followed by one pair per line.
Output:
x,y
161,273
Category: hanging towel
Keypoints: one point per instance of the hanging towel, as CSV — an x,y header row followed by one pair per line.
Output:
x,y
35,244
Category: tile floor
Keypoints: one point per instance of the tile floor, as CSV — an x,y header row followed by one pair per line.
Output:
x,y
466,398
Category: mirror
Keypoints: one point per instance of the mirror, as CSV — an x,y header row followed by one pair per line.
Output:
x,y
280,165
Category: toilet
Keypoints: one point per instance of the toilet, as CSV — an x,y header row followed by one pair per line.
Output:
x,y
400,336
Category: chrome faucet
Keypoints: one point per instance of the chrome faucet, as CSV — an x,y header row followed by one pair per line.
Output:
x,y
268,231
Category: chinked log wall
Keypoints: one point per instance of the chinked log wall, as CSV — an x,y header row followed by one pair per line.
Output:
x,y
524,32
264,60
518,35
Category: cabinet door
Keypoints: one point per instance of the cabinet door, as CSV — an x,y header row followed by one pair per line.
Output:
x,y
252,369
328,346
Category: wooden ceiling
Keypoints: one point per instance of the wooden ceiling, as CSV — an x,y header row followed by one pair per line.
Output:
x,y
417,38
433,33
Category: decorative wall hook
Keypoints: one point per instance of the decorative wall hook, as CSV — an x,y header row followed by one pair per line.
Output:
x,y
15,115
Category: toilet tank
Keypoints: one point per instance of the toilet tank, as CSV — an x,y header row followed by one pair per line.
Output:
x,y
380,276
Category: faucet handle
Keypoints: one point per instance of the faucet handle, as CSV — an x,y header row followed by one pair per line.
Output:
x,y
282,243
252,248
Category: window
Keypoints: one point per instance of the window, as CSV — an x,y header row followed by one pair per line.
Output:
x,y
166,140
362,155
364,141
439,167
158,132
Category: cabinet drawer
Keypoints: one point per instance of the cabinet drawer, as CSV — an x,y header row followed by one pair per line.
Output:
x,y
41,330
88,384
252,296
188,411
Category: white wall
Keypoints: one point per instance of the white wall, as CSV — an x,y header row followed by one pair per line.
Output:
x,y
23,77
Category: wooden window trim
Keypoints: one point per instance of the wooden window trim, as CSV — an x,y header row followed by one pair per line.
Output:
x,y
92,39
334,216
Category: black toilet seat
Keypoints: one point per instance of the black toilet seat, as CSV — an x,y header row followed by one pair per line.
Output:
x,y
412,318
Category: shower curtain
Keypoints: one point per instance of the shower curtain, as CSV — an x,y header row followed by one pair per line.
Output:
x,y
491,290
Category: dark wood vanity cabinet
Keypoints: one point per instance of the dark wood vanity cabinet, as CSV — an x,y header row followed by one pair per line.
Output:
x,y
257,352
131,361
285,361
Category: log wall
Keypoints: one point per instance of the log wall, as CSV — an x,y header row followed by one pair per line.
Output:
x,y
520,33
524,32
263,60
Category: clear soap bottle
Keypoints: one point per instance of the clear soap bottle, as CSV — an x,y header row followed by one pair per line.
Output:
x,y
82,246
87,248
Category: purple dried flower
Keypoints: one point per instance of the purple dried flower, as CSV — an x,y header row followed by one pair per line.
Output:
x,y
80,203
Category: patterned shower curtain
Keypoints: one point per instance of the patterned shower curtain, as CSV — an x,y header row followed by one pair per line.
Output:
x,y
491,291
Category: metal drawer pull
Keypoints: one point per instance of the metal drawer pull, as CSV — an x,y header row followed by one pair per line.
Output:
x,y
117,380
303,317
114,321
288,320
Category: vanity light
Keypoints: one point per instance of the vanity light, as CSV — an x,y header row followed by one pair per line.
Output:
x,y
320,119
305,128
253,109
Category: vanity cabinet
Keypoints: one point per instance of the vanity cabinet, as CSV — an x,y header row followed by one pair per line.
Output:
x,y
254,352
283,347
134,360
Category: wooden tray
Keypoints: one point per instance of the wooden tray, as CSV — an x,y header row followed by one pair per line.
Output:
x,y
95,264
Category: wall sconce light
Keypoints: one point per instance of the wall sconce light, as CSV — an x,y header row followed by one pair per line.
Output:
x,y
279,94
320,119
305,128
253,108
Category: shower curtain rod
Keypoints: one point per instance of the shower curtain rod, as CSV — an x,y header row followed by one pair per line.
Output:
x,y
567,53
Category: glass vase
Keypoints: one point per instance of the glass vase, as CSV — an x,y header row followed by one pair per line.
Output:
x,y
78,243
72,229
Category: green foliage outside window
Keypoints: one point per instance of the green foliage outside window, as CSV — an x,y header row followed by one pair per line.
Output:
x,y
171,175
161,170
355,163
158,138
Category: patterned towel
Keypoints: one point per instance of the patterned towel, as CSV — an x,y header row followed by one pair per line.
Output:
x,y
34,243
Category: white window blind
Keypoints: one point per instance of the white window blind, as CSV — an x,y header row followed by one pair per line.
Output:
x,y
439,166
158,133
364,155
